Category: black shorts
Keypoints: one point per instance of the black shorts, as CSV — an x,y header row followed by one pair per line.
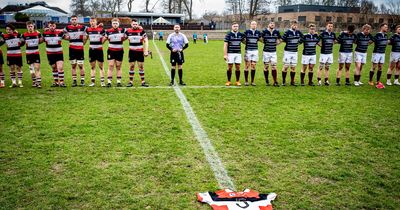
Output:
x,y
96,55
177,58
14,60
136,56
33,58
75,54
115,55
53,58
1,59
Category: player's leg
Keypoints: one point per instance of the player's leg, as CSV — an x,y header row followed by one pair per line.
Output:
x,y
303,73
141,74
311,74
379,72
253,72
292,74
101,68
20,75
60,67
397,73
55,74
173,72
92,73
12,75
237,74
266,72
229,74
274,73
180,74
73,71
247,66
359,73
372,72
2,76
321,67
339,73
82,71
327,67
131,73
111,64
284,73
32,71
38,75
347,72
118,66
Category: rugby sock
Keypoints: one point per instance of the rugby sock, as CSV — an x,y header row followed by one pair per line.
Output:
x,y
378,76
371,75
131,75
33,76
119,79
347,80
292,75
180,74
20,76
74,77
253,75
237,73
55,75
109,80
61,76
302,75
246,75
141,74
172,75
396,76
326,79
93,79
284,73
229,74
319,79
310,77
39,81
274,74
266,74
355,78
1,76
101,79
12,76
83,78
338,80
359,77
389,76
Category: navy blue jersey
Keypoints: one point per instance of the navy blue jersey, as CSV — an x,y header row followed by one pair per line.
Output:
x,y
327,41
362,42
381,40
310,42
292,39
346,42
252,38
395,42
234,41
270,40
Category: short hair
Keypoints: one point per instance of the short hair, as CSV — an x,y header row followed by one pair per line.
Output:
x,y
234,23
115,19
293,22
311,26
366,26
383,24
351,28
11,26
398,26
134,20
74,16
51,22
93,18
329,22
29,23
253,21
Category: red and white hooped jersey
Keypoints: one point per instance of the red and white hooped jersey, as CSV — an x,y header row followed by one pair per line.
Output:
x,y
229,200
115,38
1,42
76,34
96,36
32,41
14,43
135,37
53,41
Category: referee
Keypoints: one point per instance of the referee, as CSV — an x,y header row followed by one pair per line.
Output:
x,y
176,43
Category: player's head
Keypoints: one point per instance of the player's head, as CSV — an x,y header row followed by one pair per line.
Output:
x,y
235,27
351,28
398,29
311,29
52,25
384,27
366,29
253,25
10,28
115,23
293,24
30,26
329,26
177,28
74,20
271,25
134,23
93,22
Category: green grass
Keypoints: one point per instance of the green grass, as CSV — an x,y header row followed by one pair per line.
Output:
x,y
316,147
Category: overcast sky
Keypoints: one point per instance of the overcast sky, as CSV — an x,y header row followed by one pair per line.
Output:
x,y
199,7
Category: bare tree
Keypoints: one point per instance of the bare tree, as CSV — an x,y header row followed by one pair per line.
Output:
x,y
129,4
328,2
80,7
368,7
189,8
236,8
257,7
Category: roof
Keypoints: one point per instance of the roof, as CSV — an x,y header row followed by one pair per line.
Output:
x,y
41,11
149,14
17,8
317,8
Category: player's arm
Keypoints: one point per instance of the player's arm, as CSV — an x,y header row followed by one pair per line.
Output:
x,y
225,50
145,46
22,39
41,39
1,40
372,39
85,37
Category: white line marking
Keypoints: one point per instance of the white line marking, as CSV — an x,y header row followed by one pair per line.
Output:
x,y
169,87
212,157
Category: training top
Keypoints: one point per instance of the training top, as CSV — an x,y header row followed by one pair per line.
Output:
x,y
230,200
381,40
234,41
32,42
310,42
270,39
395,42
346,42
362,42
327,41
292,39
252,37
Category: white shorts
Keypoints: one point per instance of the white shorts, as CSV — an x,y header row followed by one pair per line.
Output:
x,y
394,57
360,57
251,55
234,58
345,57
378,58
270,57
290,58
326,58
308,59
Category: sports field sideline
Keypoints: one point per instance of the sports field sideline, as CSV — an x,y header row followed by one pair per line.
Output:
x,y
316,147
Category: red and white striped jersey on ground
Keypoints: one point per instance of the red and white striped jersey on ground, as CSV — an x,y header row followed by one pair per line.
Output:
x,y
76,34
14,43
229,200
53,41
32,41
135,37
96,36
115,37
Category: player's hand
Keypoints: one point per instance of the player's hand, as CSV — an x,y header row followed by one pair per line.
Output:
x,y
146,53
180,50
174,50
225,57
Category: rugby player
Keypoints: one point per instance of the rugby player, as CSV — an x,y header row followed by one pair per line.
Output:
x,y
32,40
394,58
14,42
115,53
378,56
292,39
363,40
251,52
309,57
232,52
2,76
346,40
96,36
327,39
271,38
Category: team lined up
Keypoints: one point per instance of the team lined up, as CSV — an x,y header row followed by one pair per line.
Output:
x,y
326,40
77,35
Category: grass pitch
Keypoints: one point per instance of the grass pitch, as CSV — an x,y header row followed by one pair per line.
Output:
x,y
316,147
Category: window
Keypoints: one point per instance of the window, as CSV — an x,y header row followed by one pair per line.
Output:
x,y
339,19
328,18
301,18
381,20
279,18
349,19
317,18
